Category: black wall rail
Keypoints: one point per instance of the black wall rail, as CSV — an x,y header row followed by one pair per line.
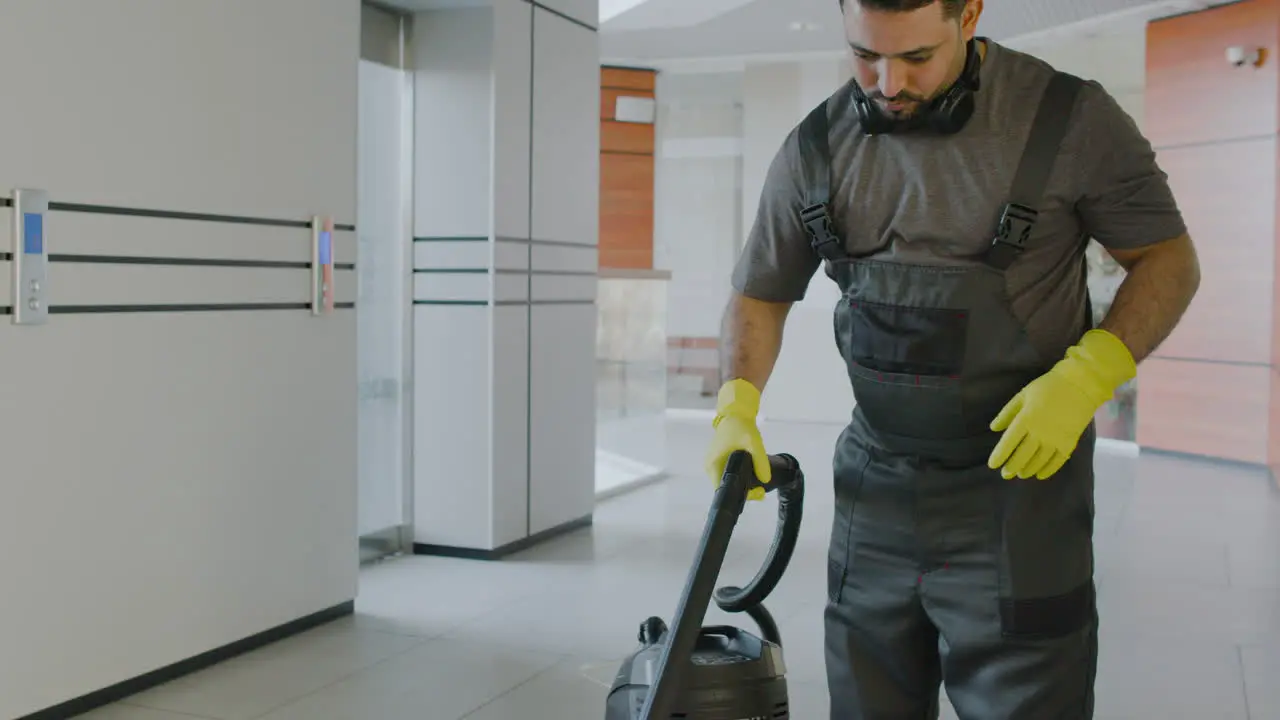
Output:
x,y
154,261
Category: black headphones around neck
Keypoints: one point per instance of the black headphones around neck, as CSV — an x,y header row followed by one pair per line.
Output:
x,y
946,114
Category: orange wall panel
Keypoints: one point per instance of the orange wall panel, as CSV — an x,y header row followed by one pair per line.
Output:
x,y
626,211
628,185
1273,427
1193,95
1275,282
1227,194
631,138
1211,389
1204,408
624,259
628,78
626,173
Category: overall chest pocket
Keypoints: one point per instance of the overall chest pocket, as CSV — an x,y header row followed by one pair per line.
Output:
x,y
907,340
905,364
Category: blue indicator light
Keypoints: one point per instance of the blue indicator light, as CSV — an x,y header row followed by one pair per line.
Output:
x,y
32,234
326,247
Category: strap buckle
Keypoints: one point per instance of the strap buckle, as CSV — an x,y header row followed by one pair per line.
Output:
x,y
817,222
1016,223
1012,234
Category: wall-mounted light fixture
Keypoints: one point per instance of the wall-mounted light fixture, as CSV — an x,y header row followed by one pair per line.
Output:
x,y
1239,56
633,109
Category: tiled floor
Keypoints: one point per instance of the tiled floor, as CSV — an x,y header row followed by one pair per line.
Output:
x,y
1189,556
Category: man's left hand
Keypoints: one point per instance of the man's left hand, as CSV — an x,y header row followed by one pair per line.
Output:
x,y
1042,424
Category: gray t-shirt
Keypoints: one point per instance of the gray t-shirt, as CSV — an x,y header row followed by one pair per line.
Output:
x,y
923,198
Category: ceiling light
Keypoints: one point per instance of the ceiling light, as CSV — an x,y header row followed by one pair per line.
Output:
x,y
799,26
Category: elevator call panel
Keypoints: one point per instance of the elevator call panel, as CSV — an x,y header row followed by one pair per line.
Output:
x,y
30,257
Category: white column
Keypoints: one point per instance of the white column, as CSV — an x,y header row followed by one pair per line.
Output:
x,y
507,185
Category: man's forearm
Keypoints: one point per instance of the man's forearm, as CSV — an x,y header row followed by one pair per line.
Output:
x,y
1152,298
750,339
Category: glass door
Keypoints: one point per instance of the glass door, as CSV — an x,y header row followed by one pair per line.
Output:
x,y
383,223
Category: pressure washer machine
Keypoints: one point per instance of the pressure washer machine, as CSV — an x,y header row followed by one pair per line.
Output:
x,y
693,672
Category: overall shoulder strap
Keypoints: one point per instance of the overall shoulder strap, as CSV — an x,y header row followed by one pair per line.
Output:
x,y
815,161
1047,132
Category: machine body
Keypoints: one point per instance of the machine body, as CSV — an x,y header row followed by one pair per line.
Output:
x,y
718,672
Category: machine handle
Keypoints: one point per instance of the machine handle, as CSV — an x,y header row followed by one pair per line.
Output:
x,y
784,470
729,501
788,482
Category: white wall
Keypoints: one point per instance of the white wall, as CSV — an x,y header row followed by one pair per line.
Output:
x,y
507,216
174,480
697,195
564,240
1116,56
453,395
718,132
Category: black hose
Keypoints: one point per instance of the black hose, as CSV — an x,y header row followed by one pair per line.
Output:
x,y
788,482
764,620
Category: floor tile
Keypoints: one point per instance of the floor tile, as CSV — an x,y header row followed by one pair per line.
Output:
x,y
1188,556
1254,565
803,644
1212,501
428,596
1143,608
1261,672
122,711
574,688
248,686
1170,679
809,700
440,680
1169,557
583,618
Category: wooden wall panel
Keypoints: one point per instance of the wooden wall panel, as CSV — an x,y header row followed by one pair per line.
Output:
x,y
1227,193
626,211
630,138
626,173
1273,425
622,258
1203,408
628,78
1274,358
1211,387
1193,95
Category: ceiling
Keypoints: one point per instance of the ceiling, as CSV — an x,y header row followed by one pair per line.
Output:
x,y
659,32
683,34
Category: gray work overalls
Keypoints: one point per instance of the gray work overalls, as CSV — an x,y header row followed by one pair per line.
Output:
x,y
939,568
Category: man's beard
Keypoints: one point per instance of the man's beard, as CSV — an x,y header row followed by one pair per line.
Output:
x,y
911,104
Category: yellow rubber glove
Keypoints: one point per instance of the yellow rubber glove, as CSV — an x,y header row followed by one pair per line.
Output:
x,y
1042,424
735,429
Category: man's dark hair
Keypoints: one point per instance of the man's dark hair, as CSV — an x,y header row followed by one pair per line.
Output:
x,y
950,8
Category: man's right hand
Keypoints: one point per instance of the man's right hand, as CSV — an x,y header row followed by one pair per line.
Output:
x,y
735,429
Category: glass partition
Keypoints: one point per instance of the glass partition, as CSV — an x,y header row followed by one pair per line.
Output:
x,y
631,376
383,228
1117,420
